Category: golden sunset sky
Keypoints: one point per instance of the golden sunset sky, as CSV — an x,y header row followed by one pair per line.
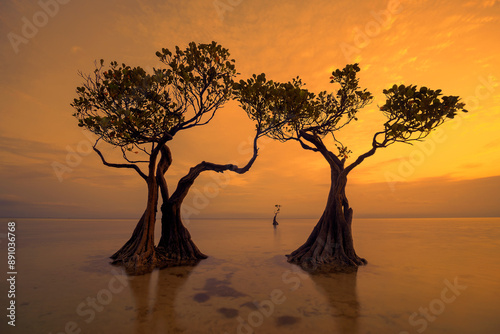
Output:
x,y
450,45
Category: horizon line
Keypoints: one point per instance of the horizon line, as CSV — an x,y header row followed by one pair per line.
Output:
x,y
248,218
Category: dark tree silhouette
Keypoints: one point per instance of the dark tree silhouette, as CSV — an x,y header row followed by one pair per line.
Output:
x,y
278,208
411,115
140,112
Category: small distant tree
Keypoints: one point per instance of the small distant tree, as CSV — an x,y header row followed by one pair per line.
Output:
x,y
411,112
276,211
139,113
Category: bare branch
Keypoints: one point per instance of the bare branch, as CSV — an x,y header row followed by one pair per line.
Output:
x,y
305,146
362,157
132,166
359,160
187,181
124,154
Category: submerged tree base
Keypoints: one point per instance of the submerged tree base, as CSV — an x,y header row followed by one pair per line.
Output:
x,y
176,247
137,265
182,252
319,256
165,259
330,247
331,265
138,255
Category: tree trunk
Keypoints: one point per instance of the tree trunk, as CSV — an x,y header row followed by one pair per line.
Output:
x,y
138,254
330,246
175,246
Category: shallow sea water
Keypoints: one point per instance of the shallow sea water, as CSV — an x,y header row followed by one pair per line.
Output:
x,y
423,276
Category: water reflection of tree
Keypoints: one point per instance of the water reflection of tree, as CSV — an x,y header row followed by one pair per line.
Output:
x,y
155,296
340,289
277,238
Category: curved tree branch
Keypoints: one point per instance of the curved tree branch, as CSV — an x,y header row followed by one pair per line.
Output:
x,y
135,167
305,146
124,154
187,181
332,159
362,157
359,160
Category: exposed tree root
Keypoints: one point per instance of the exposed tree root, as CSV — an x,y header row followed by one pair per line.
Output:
x,y
330,247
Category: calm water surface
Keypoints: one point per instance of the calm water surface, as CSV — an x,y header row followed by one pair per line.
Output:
x,y
423,276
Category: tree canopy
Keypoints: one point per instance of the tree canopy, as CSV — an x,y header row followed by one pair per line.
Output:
x,y
412,113
128,107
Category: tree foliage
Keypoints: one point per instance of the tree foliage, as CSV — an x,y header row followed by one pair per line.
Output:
x,y
127,106
274,105
412,113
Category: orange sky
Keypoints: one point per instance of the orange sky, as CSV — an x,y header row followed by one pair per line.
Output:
x,y
451,45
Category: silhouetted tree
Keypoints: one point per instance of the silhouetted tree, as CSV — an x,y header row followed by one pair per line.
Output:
x,y
278,208
411,113
140,112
